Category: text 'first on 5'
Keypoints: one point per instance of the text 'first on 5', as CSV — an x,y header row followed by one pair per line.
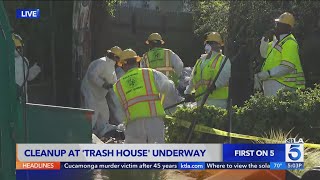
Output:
x,y
28,13
254,153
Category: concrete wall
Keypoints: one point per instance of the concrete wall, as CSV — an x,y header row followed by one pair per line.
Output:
x,y
131,27
164,6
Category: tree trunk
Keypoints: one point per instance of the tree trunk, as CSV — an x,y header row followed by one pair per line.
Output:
x,y
238,49
81,46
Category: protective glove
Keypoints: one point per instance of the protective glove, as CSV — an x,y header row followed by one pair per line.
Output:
x,y
264,47
107,85
35,68
34,71
189,98
121,127
264,75
257,83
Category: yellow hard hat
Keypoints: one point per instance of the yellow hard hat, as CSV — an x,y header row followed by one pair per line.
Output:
x,y
16,40
128,54
115,50
214,36
155,37
286,18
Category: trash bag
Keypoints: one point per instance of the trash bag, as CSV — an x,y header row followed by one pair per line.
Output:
x,y
117,114
184,80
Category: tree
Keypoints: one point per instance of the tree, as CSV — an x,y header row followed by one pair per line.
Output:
x,y
243,23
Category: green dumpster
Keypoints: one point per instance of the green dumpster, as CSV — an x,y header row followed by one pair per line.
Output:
x,y
8,100
55,124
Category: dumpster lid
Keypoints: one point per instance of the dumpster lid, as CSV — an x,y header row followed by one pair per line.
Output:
x,y
61,107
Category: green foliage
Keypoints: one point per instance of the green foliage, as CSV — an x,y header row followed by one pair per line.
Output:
x,y
255,16
210,16
111,6
295,112
245,22
209,116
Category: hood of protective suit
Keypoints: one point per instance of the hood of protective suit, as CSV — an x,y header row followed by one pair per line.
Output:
x,y
112,62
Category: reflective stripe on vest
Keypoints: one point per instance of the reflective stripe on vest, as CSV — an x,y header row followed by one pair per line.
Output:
x,y
289,64
149,92
137,90
159,59
295,79
202,82
203,77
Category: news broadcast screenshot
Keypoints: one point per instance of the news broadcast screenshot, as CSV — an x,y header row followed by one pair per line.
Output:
x,y
159,90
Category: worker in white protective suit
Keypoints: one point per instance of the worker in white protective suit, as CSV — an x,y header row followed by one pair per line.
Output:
x,y
116,113
206,69
282,68
140,91
162,59
23,73
98,80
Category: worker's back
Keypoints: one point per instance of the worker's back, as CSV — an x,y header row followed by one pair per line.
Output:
x,y
137,91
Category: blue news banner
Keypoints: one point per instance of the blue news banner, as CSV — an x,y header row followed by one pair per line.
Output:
x,y
278,156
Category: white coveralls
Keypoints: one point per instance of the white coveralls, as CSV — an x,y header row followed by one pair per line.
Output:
x,y
151,130
119,72
175,60
33,71
271,87
223,80
99,71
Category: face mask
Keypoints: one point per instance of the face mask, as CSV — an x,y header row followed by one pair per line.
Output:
x,y
207,48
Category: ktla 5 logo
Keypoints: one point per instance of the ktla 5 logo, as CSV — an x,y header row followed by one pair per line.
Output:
x,y
294,153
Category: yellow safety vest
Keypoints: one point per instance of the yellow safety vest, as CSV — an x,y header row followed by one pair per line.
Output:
x,y
159,59
278,55
203,77
138,94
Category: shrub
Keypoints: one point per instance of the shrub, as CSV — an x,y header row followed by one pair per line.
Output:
x,y
209,116
297,112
